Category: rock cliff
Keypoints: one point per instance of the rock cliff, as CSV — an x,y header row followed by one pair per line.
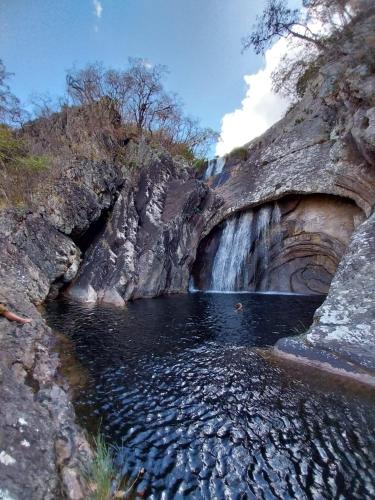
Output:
x,y
324,145
317,163
148,246
42,450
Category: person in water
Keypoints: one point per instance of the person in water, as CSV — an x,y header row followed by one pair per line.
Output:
x,y
238,307
12,316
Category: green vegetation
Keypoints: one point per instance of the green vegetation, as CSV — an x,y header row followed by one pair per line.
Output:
x,y
33,163
240,154
307,76
9,145
104,481
21,172
101,472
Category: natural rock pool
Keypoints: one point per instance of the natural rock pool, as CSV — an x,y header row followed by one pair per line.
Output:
x,y
182,389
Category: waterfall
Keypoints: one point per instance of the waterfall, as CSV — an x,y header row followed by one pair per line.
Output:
x,y
191,286
243,256
214,167
233,249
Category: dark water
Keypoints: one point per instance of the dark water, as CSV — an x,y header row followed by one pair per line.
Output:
x,y
178,383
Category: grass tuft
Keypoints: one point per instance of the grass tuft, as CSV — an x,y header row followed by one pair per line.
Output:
x,y
101,472
102,476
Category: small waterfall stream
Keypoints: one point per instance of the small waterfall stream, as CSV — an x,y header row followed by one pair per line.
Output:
x,y
214,167
242,259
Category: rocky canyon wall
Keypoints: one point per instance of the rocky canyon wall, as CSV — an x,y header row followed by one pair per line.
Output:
x,y
42,450
322,147
299,253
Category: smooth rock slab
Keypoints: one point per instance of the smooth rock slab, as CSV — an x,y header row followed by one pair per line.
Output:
x,y
342,336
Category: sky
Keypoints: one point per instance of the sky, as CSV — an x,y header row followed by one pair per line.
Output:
x,y
198,40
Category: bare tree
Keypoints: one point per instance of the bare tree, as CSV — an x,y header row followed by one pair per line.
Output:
x,y
140,98
289,76
10,108
86,85
280,21
148,103
306,44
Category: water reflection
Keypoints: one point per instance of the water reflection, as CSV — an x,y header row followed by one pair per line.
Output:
x,y
178,383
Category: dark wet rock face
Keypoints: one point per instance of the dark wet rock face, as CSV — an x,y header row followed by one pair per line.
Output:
x,y
80,197
34,254
148,245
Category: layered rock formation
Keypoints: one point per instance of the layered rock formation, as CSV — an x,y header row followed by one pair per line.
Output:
x,y
341,338
300,253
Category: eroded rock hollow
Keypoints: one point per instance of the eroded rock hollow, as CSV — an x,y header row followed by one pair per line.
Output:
x,y
292,245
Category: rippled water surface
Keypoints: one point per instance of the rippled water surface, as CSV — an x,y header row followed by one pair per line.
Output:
x,y
179,383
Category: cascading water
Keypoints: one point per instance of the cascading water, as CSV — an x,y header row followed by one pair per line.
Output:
x,y
214,167
243,255
231,254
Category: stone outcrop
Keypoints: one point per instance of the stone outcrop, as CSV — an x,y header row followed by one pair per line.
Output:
x,y
341,338
149,243
42,450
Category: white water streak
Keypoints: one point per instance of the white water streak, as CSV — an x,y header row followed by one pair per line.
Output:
x,y
233,267
233,249
214,167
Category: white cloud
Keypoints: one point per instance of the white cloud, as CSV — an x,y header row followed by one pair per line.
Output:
x,y
98,8
260,108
